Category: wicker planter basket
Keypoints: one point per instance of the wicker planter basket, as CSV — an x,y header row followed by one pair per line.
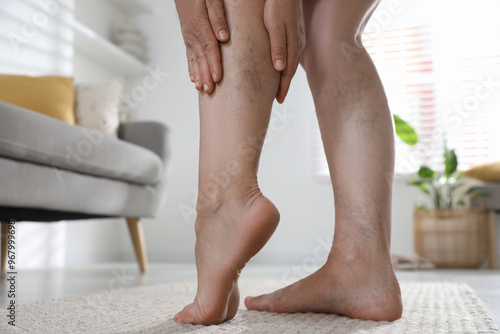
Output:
x,y
451,238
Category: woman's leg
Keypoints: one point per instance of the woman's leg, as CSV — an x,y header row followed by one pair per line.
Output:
x,y
234,219
358,279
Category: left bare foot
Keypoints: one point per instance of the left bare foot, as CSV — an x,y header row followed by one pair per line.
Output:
x,y
359,286
228,234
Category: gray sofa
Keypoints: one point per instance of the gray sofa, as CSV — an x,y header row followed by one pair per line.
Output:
x,y
51,171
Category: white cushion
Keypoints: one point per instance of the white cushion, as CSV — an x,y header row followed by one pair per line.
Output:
x,y
98,106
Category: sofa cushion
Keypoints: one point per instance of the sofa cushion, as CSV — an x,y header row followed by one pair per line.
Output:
x,y
51,95
36,138
27,185
97,106
488,172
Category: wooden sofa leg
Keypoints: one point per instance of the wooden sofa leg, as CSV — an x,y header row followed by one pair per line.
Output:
x,y
135,228
4,243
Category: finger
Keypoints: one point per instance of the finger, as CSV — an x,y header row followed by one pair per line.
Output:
x,y
193,52
193,61
277,35
296,43
285,81
212,52
207,83
217,18
191,69
287,75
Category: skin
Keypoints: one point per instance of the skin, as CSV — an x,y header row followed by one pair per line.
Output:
x,y
204,25
285,23
235,220
358,278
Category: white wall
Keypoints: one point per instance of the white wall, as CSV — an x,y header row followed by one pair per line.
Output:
x,y
36,41
102,240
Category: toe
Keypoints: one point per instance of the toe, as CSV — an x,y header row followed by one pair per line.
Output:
x,y
249,303
260,303
184,316
179,315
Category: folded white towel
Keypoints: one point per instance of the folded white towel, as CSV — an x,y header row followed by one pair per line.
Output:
x,y
128,37
135,50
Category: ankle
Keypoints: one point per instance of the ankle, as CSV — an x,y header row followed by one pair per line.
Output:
x,y
364,254
212,197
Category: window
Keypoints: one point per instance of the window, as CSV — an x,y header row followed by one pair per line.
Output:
x,y
441,75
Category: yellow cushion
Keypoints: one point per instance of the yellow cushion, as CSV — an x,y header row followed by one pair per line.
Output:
x,y
50,95
488,172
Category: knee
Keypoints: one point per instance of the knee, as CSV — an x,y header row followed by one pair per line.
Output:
x,y
247,58
342,52
350,50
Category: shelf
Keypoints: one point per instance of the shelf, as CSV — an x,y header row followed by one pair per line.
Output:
x,y
133,7
103,51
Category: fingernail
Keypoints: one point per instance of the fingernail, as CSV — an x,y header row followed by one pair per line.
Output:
x,y
197,84
205,87
279,64
192,78
214,77
223,34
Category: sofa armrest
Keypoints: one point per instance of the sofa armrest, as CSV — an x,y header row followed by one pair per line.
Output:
x,y
150,135
492,201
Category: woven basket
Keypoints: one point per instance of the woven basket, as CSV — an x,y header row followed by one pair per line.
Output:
x,y
451,238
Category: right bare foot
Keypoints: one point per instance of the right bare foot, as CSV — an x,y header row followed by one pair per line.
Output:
x,y
228,234
356,285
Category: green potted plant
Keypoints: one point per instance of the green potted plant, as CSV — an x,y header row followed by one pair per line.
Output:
x,y
449,234
446,188
404,131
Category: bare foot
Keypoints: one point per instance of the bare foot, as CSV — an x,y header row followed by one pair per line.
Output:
x,y
227,236
361,287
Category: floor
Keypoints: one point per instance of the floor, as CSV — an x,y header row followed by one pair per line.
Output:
x,y
36,285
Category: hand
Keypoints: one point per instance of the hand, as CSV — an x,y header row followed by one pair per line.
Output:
x,y
203,25
284,21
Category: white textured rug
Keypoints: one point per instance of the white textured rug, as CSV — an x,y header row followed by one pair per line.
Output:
x,y
428,308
